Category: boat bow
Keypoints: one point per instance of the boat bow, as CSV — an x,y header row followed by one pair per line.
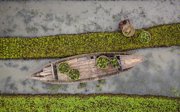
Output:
x,y
129,61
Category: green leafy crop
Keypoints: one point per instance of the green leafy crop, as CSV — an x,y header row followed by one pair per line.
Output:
x,y
73,44
144,36
114,62
102,62
87,103
64,67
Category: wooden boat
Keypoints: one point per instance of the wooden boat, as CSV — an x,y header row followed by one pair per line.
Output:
x,y
86,64
127,28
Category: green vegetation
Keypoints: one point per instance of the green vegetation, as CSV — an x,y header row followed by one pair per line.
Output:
x,y
73,74
87,103
67,45
64,67
114,62
144,36
102,62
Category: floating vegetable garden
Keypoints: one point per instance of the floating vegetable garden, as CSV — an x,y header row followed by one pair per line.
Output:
x,y
102,62
87,103
68,45
144,36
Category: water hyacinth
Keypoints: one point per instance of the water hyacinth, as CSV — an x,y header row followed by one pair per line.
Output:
x,y
87,103
64,67
74,74
114,62
68,45
144,36
102,62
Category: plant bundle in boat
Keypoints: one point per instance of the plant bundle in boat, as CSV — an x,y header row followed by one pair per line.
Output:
x,y
86,67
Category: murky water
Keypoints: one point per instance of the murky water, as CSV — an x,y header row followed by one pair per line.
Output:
x,y
159,74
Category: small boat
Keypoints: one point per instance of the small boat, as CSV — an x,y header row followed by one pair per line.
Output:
x,y
86,64
127,28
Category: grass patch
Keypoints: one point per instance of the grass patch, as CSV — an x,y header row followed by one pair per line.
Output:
x,y
88,103
67,45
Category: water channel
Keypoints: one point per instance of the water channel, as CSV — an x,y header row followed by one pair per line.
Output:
x,y
159,74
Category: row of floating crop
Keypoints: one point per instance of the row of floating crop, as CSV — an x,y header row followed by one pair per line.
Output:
x,y
67,45
87,103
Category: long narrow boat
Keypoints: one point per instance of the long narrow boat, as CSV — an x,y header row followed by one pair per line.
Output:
x,y
87,67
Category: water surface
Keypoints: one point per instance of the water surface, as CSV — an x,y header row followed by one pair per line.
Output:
x,y
159,74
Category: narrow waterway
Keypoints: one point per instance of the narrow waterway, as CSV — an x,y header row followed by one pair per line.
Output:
x,y
159,74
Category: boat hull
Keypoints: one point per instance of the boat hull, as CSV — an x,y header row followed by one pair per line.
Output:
x,y
59,78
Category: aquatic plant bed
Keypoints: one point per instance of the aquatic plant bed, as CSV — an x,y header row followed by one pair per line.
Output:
x,y
88,103
73,44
